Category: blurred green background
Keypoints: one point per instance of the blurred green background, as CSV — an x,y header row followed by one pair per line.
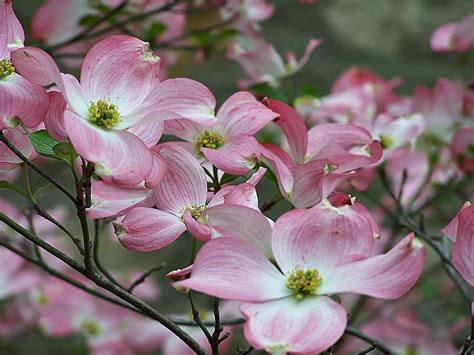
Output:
x,y
391,37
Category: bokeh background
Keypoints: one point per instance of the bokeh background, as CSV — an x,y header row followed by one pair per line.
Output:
x,y
390,37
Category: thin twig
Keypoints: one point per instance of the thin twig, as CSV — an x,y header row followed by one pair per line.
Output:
x,y
142,278
374,342
197,319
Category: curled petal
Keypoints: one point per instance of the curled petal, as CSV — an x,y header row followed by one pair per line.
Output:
x,y
111,200
463,250
236,157
386,276
298,326
11,32
54,119
21,99
197,230
232,269
148,229
243,223
308,181
292,126
241,114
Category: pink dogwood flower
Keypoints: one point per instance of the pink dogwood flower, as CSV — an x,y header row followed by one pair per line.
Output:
x,y
319,159
454,37
9,160
119,104
462,148
263,64
461,231
20,99
180,199
287,300
229,144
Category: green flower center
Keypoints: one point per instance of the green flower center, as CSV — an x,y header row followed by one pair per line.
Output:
x,y
104,114
6,68
90,327
304,282
196,211
208,139
385,141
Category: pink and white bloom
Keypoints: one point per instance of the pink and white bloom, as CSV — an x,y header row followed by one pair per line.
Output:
x,y
263,64
9,160
283,304
180,199
454,37
20,99
462,148
16,275
116,112
229,144
319,159
461,231
441,106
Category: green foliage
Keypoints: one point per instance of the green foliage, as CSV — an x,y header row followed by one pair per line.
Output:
x,y
51,148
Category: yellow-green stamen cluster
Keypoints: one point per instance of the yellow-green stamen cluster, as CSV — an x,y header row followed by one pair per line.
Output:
x,y
208,139
6,68
386,141
196,211
104,114
304,282
90,327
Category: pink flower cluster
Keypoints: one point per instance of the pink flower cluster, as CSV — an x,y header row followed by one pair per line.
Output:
x,y
285,275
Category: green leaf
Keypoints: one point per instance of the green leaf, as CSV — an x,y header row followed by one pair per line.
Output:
x,y
43,143
307,90
8,186
51,148
64,150
89,20
156,29
270,92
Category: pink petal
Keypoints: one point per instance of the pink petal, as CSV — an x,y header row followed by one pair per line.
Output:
x,y
176,99
442,38
149,133
121,69
463,251
184,184
417,167
236,157
243,223
241,114
386,276
463,37
37,66
158,171
222,268
322,237
111,200
8,159
116,153
451,229
197,230
148,229
293,127
462,140
308,181
23,99
11,31
58,20
281,170
54,119
183,129
296,65
298,326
